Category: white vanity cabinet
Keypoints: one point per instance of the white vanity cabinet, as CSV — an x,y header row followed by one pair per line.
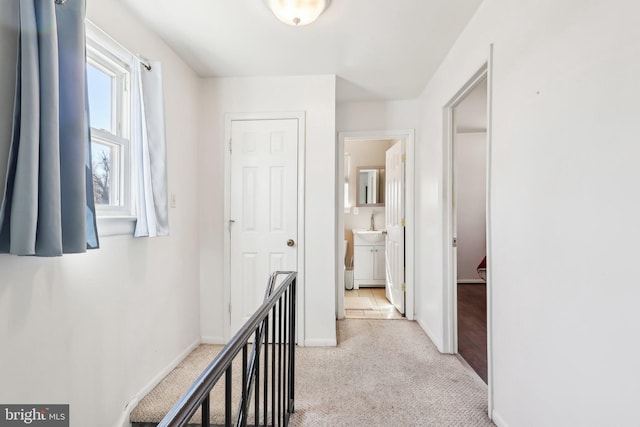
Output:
x,y
368,258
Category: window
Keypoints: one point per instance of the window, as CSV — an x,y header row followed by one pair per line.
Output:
x,y
109,82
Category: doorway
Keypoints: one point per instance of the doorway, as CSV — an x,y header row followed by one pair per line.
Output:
x,y
367,294
466,236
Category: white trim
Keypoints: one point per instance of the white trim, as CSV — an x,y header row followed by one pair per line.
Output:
x,y
300,116
497,419
489,266
107,45
410,227
450,327
133,402
340,211
107,54
212,340
121,171
92,30
449,295
430,334
467,131
450,321
116,225
471,281
321,343
408,136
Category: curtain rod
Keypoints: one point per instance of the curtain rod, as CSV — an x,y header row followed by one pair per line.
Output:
x,y
142,60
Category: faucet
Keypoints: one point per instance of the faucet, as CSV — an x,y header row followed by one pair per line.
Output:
x,y
373,222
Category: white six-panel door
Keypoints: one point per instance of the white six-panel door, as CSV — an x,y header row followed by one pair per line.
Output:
x,y
394,213
263,209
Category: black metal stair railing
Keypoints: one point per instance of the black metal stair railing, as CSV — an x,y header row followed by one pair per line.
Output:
x,y
272,385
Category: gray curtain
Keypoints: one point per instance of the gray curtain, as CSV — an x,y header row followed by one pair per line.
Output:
x,y
48,207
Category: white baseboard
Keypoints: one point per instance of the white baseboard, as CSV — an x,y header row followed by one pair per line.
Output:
x,y
320,343
498,420
429,334
472,281
212,340
124,419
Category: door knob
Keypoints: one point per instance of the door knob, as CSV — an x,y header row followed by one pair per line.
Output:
x,y
290,243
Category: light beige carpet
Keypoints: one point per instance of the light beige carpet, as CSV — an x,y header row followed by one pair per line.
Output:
x,y
161,399
385,373
382,373
357,303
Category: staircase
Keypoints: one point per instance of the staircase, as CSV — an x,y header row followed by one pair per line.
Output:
x,y
204,390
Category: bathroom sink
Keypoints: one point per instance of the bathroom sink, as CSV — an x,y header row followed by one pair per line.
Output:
x,y
363,237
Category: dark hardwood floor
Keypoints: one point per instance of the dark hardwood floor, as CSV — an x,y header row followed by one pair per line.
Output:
x,y
472,326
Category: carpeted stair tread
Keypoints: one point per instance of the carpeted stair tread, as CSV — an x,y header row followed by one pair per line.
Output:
x,y
155,405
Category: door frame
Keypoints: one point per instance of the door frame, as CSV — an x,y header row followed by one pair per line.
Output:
x,y
408,136
450,294
229,118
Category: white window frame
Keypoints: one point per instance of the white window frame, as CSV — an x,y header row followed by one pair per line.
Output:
x,y
110,57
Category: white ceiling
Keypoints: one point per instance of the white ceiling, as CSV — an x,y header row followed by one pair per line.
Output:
x,y
378,49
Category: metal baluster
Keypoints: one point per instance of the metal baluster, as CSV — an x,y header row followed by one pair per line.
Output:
x,y
292,349
273,367
244,394
256,387
285,336
282,306
266,370
227,397
206,411
279,356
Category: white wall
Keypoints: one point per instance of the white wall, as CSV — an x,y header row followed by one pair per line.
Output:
x,y
470,144
314,95
471,161
94,329
372,116
471,112
564,206
376,115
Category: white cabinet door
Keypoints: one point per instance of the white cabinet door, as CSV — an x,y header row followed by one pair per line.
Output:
x,y
369,265
363,262
379,270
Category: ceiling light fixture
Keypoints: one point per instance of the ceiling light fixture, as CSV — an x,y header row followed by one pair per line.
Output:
x,y
298,12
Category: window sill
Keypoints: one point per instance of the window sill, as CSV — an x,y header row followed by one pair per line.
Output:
x,y
116,226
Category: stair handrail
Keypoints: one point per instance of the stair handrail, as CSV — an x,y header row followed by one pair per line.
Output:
x,y
255,351
198,394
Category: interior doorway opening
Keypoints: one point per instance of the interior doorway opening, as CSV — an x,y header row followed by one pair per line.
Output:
x,y
466,249
367,283
470,218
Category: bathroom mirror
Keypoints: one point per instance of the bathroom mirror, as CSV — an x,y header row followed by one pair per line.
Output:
x,y
370,186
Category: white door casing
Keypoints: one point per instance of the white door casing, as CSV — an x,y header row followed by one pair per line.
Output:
x,y
395,221
449,314
263,215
